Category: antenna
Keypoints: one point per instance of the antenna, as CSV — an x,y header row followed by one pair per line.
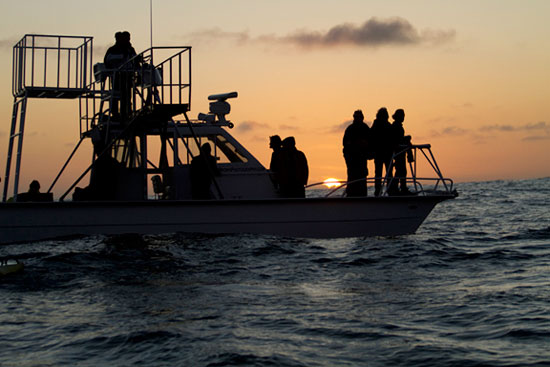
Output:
x,y
151,20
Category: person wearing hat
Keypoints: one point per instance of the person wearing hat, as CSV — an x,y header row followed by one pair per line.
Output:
x,y
355,142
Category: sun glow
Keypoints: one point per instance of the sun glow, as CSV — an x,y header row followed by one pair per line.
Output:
x,y
332,183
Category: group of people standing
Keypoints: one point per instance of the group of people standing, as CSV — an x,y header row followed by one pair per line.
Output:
x,y
378,142
288,166
115,57
289,169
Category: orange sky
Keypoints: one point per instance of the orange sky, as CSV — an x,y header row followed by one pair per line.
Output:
x,y
473,77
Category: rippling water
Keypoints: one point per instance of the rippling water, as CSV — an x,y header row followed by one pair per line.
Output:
x,y
470,288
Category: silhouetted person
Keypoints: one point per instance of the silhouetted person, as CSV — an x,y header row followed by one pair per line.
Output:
x,y
203,169
275,144
34,190
381,133
293,170
356,140
116,56
401,142
104,179
34,194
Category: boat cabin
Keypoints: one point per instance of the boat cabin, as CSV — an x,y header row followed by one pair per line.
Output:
x,y
167,167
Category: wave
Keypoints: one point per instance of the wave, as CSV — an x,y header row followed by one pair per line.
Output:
x,y
244,359
528,334
530,234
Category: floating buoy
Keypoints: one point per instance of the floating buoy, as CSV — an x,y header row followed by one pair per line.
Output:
x,y
10,267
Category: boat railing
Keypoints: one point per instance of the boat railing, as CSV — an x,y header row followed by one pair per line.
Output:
x,y
420,186
44,66
157,78
51,66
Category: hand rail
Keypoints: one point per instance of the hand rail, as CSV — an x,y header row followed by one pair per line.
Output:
x,y
52,64
371,180
151,83
418,183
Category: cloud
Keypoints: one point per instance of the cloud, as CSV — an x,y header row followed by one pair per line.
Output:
x,y
536,126
289,127
213,34
375,32
449,131
465,105
100,50
454,130
541,125
536,138
490,128
542,129
340,127
7,43
259,138
246,126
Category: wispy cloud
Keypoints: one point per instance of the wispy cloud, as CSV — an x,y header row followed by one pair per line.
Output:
x,y
375,32
340,128
450,131
7,43
542,129
289,127
541,125
246,126
213,34
536,138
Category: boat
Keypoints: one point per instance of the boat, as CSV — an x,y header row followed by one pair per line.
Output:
x,y
143,145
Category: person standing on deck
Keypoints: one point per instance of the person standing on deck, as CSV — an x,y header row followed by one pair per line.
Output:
x,y
275,144
293,170
383,148
202,172
121,81
355,142
400,144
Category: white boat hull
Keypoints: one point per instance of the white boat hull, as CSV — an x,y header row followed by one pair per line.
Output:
x,y
307,218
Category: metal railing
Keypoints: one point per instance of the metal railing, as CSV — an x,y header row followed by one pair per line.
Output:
x,y
166,78
51,65
157,76
421,186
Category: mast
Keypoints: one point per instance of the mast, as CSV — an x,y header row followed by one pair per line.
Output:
x,y
151,20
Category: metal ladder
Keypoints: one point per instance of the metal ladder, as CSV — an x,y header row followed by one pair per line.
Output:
x,y
44,66
13,136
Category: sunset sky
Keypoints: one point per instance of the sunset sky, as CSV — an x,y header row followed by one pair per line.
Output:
x,y
472,76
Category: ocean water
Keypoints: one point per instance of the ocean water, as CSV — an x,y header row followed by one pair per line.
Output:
x,y
470,288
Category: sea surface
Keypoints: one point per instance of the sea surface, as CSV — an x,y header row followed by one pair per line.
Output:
x,y
470,288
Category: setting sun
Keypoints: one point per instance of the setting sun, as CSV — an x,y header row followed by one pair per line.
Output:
x,y
332,183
